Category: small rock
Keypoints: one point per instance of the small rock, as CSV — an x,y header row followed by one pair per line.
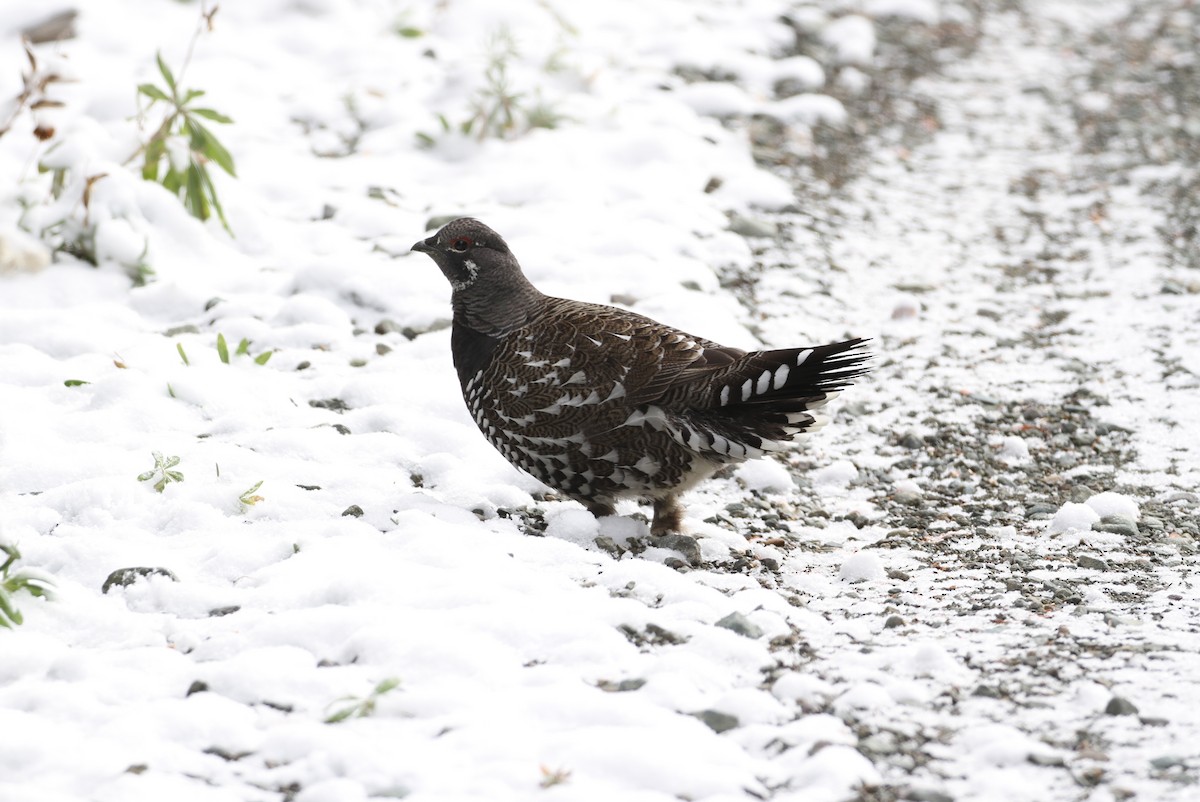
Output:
x,y
716,720
1040,508
124,577
736,622
893,621
927,795
353,511
1119,706
987,691
382,349
1094,563
750,227
1039,759
908,498
186,328
912,440
608,545
684,544
217,612
199,686
1117,525
387,326
1167,762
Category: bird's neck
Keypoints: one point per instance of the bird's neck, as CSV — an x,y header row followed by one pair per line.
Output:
x,y
495,313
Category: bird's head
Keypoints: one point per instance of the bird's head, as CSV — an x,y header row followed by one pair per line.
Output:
x,y
470,255
491,294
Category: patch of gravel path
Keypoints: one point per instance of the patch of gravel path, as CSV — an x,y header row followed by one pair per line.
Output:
x,y
1037,346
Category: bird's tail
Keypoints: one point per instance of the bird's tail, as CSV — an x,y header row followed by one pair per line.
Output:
x,y
776,395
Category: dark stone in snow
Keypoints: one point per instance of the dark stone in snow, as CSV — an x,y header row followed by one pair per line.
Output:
x,y
912,440
893,621
1117,525
199,686
736,622
217,612
927,795
684,544
353,511
1118,706
607,544
124,577
1092,562
716,720
1041,508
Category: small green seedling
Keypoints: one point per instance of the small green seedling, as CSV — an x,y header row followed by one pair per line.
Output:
x,y
361,707
249,499
13,582
162,470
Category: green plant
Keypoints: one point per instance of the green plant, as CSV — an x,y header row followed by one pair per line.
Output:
x,y
185,146
243,349
13,582
361,707
249,499
162,470
497,109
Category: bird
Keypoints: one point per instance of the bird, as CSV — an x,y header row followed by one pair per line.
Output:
x,y
603,404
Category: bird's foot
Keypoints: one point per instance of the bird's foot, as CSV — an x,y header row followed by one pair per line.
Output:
x,y
668,517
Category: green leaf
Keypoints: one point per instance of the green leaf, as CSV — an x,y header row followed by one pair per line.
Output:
x,y
153,92
183,356
166,72
204,142
222,349
262,358
173,180
75,382
389,684
193,196
243,347
210,114
170,390
336,718
145,477
190,95
155,150
409,32
212,193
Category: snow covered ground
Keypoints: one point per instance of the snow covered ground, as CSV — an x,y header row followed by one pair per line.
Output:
x,y
977,583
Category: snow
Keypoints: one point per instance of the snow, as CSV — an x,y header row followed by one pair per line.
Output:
x,y
1073,517
391,542
1110,503
765,476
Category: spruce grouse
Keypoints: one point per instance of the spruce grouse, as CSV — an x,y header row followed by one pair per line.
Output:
x,y
602,404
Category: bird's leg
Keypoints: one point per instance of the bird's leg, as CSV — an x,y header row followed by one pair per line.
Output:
x,y
601,509
668,516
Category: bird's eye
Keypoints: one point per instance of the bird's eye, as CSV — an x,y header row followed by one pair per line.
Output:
x,y
460,244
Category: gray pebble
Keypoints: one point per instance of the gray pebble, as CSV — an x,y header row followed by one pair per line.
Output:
x,y
1167,762
1117,525
607,544
1119,706
124,577
893,621
751,227
1092,562
716,720
736,622
684,544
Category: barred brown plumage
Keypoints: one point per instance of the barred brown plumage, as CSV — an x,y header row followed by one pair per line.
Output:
x,y
601,403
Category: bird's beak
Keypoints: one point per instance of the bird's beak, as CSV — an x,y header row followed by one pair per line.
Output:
x,y
423,246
